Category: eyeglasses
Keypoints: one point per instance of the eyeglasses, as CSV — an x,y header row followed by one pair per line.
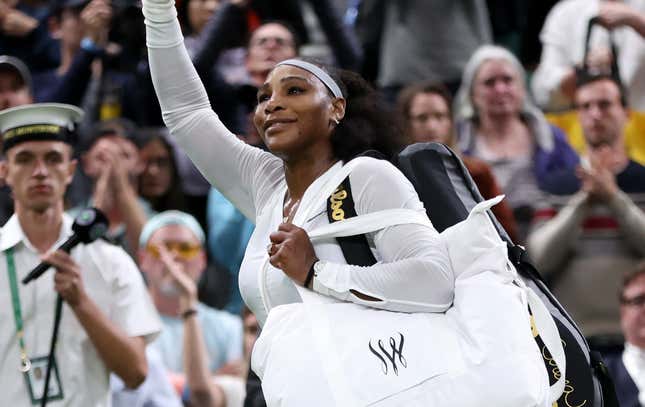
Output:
x,y
637,301
185,251
264,41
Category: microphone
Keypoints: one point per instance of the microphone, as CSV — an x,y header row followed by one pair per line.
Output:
x,y
88,226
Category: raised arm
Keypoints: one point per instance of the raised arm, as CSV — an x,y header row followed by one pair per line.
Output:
x,y
242,173
217,36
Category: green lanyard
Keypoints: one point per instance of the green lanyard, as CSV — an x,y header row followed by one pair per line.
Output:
x,y
25,363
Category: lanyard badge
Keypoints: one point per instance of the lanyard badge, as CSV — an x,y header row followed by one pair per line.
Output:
x,y
33,369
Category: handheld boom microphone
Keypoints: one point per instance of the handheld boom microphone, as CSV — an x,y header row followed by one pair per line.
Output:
x,y
88,226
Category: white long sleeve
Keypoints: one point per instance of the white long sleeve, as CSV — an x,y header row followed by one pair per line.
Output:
x,y
244,174
413,272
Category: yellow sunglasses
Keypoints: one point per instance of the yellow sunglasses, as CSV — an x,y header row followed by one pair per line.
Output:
x,y
186,251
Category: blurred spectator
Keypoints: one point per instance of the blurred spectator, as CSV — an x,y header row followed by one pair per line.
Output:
x,y
228,234
15,83
563,40
422,40
161,187
15,90
155,391
24,33
497,123
113,165
627,368
583,242
197,341
107,318
427,112
82,27
159,182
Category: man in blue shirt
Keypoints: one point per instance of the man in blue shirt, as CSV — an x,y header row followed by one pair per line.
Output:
x,y
197,341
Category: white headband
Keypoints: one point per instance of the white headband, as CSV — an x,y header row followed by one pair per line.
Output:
x,y
317,72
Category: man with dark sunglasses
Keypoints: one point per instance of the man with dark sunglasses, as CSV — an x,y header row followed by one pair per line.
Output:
x,y
198,344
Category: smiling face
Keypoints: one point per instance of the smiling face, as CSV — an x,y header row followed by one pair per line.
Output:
x,y
296,113
497,89
38,173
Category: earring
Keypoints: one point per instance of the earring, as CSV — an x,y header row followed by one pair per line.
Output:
x,y
336,121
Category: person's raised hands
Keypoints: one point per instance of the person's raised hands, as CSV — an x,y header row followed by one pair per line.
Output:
x,y
96,17
175,270
613,14
15,23
598,178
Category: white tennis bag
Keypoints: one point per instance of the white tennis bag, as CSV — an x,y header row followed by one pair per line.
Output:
x,y
480,352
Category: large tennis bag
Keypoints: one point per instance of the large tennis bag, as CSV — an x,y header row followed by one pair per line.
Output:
x,y
449,194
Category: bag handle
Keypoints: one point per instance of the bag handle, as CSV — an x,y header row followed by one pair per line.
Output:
x,y
612,44
549,334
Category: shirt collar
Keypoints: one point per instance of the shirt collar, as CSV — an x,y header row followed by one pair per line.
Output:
x,y
12,233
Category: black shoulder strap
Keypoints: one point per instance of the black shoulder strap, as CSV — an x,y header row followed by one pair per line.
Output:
x,y
340,205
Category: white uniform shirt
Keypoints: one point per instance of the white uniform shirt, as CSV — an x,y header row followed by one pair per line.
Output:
x,y
114,283
563,38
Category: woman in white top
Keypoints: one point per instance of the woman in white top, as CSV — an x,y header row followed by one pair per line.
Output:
x,y
312,122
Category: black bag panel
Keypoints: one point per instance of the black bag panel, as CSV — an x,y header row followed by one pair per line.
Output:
x,y
450,193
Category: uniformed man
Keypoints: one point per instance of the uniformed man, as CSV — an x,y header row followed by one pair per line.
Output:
x,y
108,316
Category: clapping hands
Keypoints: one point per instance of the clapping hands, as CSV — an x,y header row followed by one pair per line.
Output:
x,y
597,174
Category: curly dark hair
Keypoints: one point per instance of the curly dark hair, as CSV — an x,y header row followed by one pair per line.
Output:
x,y
369,123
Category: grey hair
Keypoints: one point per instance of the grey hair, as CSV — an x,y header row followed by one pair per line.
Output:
x,y
464,110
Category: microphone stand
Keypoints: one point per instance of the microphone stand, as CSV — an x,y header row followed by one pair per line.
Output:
x,y
52,348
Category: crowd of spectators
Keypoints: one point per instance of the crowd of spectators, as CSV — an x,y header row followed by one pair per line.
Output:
x,y
545,104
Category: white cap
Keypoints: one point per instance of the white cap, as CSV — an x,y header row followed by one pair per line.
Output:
x,y
39,121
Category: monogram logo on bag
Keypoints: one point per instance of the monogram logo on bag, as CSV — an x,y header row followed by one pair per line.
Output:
x,y
396,349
